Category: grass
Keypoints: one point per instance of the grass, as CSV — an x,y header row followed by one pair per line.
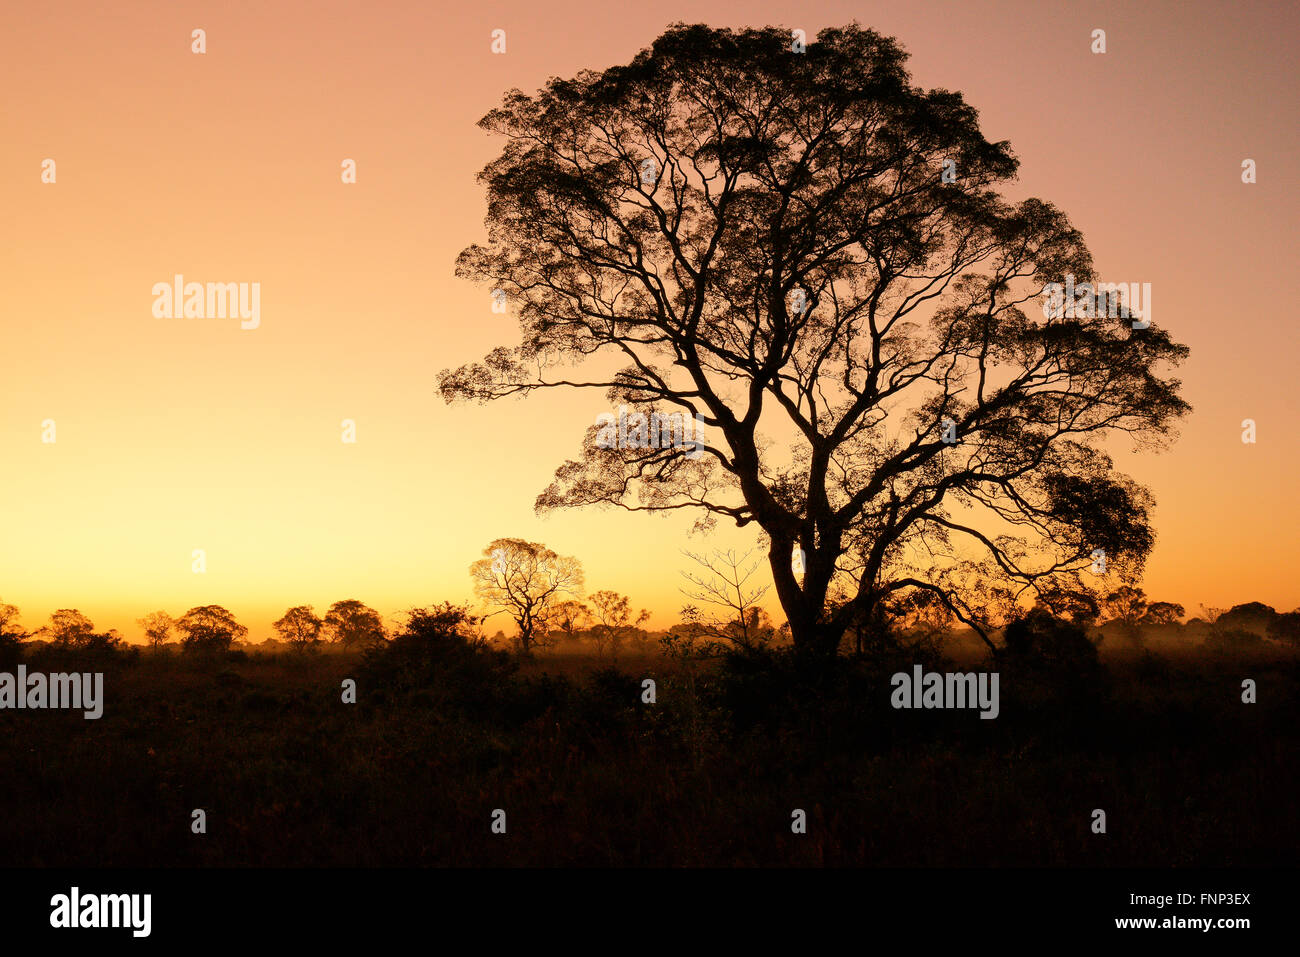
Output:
x,y
589,775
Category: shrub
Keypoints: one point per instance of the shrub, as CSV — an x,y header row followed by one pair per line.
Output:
x,y
440,651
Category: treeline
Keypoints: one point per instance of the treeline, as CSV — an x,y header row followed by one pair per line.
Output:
x,y
204,629
605,624
1133,621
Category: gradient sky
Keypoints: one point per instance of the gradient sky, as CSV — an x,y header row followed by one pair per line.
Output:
x,y
174,435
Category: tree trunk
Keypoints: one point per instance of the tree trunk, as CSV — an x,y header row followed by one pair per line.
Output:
x,y
803,609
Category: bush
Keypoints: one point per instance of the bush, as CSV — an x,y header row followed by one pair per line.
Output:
x,y
825,703
1232,641
1053,670
11,650
439,651
1050,643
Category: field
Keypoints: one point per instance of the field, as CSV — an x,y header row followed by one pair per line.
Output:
x,y
709,774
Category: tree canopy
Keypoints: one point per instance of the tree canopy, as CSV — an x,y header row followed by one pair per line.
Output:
x,y
527,581
813,256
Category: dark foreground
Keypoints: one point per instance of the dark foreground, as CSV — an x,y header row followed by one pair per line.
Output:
x,y
710,774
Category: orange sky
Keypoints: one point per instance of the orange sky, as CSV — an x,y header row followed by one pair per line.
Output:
x,y
175,434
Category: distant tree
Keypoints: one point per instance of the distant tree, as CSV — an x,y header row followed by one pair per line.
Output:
x,y
525,580
353,625
1127,605
1228,634
101,641
209,629
1253,616
11,635
9,628
445,622
158,626
814,257
1040,635
300,627
613,620
440,651
568,618
690,640
1162,613
1077,605
1231,641
1286,627
68,628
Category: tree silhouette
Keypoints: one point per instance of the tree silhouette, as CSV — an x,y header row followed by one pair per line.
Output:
x,y
1163,613
525,580
299,626
812,255
569,617
1251,616
157,627
1127,605
68,628
209,629
740,621
353,624
1286,628
9,628
11,635
613,622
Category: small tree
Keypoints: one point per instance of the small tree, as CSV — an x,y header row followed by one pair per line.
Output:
x,y
353,624
1162,613
739,619
9,615
613,620
209,629
1127,605
299,627
568,618
68,628
157,627
10,630
11,635
526,580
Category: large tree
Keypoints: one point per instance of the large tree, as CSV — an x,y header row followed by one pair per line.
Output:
x,y
812,255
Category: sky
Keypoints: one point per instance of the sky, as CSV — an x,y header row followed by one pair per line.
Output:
x,y
176,435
